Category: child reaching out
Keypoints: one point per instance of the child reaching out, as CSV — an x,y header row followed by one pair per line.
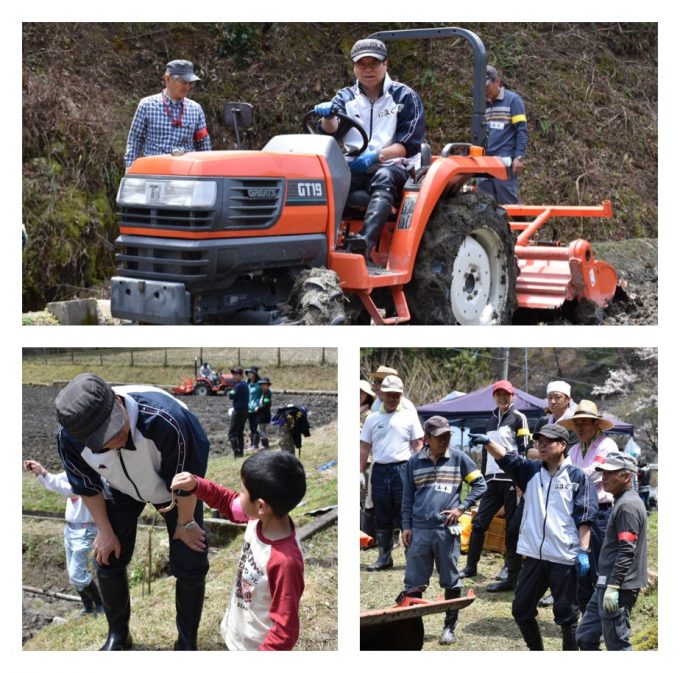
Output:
x,y
263,612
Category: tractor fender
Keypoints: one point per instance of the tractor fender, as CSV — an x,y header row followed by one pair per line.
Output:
x,y
438,181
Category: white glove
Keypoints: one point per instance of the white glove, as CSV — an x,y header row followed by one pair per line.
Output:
x,y
362,480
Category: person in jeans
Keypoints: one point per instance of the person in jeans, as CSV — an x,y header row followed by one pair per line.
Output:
x,y
392,435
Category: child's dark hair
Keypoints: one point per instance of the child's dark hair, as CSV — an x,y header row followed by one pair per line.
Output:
x,y
276,477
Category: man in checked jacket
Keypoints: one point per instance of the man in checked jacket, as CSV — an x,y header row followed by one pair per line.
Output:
x,y
168,120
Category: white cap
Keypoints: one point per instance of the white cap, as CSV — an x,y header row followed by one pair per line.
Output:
x,y
392,384
559,387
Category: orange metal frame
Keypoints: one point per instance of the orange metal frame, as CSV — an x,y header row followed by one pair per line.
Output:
x,y
551,274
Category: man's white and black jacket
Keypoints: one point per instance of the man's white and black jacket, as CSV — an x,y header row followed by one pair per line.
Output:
x,y
555,505
165,439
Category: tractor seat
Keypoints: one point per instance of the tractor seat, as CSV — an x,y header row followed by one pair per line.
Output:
x,y
357,201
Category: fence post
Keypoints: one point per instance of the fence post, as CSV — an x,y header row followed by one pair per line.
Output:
x,y
323,355
278,357
165,357
101,357
132,359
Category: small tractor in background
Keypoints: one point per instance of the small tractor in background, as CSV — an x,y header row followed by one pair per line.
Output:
x,y
217,384
206,236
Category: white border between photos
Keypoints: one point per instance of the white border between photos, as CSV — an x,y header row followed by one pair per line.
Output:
x,y
347,340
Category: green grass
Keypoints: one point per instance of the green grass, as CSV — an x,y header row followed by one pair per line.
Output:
x,y
153,615
149,368
487,624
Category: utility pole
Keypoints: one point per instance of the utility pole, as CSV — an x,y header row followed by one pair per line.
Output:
x,y
505,356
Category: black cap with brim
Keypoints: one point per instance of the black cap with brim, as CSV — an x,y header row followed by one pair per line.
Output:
x,y
552,431
87,409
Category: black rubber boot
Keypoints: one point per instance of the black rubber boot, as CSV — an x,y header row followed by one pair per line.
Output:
x,y
234,446
256,440
514,564
384,562
189,596
115,594
448,637
265,443
92,600
378,210
569,636
531,634
473,555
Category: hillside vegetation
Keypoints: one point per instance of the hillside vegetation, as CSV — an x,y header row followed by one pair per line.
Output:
x,y
590,92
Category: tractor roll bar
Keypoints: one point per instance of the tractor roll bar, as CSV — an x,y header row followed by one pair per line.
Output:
x,y
479,65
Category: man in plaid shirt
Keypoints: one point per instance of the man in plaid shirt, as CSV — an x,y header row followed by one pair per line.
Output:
x,y
169,121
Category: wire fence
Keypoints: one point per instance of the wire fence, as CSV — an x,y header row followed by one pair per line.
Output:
x,y
219,358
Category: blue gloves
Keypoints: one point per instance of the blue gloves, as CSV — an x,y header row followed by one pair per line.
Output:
x,y
610,600
324,110
479,439
582,563
364,161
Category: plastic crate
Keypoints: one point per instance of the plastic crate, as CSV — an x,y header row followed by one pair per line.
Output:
x,y
494,538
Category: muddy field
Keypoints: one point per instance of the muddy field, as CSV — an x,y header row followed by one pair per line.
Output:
x,y
39,422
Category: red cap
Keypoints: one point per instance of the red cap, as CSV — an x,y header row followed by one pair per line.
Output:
x,y
503,385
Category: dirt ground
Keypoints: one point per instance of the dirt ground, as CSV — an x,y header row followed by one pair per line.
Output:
x,y
39,423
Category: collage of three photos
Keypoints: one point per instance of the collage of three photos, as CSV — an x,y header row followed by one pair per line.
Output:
x,y
437,214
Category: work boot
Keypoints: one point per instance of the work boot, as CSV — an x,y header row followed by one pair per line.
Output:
x,y
384,561
189,594
531,634
473,555
92,600
569,636
503,573
115,594
378,210
448,637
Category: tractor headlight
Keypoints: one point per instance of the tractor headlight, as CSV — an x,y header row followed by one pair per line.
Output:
x,y
173,193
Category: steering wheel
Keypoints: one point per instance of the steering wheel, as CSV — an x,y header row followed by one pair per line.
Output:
x,y
345,125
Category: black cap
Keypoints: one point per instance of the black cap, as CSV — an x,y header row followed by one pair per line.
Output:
x,y
264,380
436,425
237,370
182,69
88,410
552,431
368,47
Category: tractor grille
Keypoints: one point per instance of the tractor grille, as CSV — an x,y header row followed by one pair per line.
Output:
x,y
253,203
196,220
152,261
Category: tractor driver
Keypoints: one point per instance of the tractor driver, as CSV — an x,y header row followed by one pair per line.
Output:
x,y
393,117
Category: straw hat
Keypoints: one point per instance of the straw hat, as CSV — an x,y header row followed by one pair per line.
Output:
x,y
382,372
587,409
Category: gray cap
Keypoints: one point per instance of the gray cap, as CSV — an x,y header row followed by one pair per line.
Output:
x,y
615,460
182,69
491,73
88,410
368,47
552,431
436,425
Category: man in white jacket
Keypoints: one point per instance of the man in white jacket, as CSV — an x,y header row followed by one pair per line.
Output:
x,y
79,534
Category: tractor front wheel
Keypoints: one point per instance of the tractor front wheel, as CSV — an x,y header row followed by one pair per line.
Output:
x,y
466,270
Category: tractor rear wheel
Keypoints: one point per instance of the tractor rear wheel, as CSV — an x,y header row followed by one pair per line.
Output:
x,y
202,389
466,270
316,299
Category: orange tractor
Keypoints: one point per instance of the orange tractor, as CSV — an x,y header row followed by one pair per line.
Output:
x,y
203,385
208,235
